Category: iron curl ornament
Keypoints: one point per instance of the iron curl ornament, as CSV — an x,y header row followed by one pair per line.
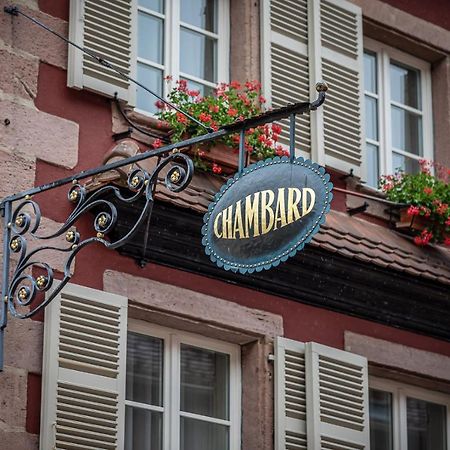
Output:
x,y
31,285
28,291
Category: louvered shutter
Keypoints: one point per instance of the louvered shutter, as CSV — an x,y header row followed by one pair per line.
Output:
x,y
285,63
84,370
342,65
109,30
337,399
306,41
290,395
321,398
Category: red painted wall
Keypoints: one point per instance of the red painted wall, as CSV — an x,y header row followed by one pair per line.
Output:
x,y
93,114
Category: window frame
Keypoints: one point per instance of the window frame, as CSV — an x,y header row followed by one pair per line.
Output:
x,y
400,392
171,46
384,54
171,371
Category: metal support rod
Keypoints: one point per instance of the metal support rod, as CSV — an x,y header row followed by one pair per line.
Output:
x,y
292,137
6,211
267,117
241,150
15,11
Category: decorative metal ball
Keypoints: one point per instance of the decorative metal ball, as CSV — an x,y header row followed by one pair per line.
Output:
x,y
175,176
20,220
41,281
102,221
321,86
15,245
23,293
73,196
135,181
70,236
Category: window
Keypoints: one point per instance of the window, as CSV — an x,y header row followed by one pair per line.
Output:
x,y
397,91
185,39
182,391
406,418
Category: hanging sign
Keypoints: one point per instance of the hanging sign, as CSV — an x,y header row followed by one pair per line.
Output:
x,y
266,214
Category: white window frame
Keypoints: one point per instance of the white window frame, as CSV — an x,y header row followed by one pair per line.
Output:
x,y
171,387
171,48
400,392
384,54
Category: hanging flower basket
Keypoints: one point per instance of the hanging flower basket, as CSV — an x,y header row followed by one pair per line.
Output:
x,y
427,217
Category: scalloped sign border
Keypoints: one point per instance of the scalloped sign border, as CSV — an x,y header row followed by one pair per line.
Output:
x,y
304,235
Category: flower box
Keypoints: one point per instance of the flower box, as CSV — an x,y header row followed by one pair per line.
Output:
x,y
428,194
229,103
412,223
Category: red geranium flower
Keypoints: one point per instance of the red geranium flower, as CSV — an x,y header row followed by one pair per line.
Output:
x,y
216,168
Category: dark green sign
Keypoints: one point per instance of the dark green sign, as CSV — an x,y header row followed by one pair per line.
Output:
x,y
266,214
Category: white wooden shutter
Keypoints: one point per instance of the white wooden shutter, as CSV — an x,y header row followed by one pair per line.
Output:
x,y
307,41
321,398
285,63
84,370
342,65
337,399
290,395
107,28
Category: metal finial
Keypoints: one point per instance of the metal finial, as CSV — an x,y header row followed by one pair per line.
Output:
x,y
321,86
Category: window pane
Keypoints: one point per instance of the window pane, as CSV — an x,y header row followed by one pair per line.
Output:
x,y
404,163
198,55
204,90
204,382
373,171
154,5
144,369
152,78
150,38
370,72
200,13
406,131
199,435
426,425
371,118
405,85
143,429
380,412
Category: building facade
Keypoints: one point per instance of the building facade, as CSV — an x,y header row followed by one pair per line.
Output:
x,y
151,346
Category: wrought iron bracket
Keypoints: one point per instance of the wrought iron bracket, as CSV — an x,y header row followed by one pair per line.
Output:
x,y
28,281
26,292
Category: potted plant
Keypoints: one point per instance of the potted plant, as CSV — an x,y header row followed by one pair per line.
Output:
x,y
428,198
228,103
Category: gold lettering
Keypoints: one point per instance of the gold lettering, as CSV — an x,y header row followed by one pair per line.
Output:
x,y
230,222
252,214
216,225
238,224
227,232
293,213
306,209
280,210
267,198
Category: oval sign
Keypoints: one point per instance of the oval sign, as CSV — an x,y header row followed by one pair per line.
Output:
x,y
266,214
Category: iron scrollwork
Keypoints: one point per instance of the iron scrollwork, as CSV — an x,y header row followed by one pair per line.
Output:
x,y
33,293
